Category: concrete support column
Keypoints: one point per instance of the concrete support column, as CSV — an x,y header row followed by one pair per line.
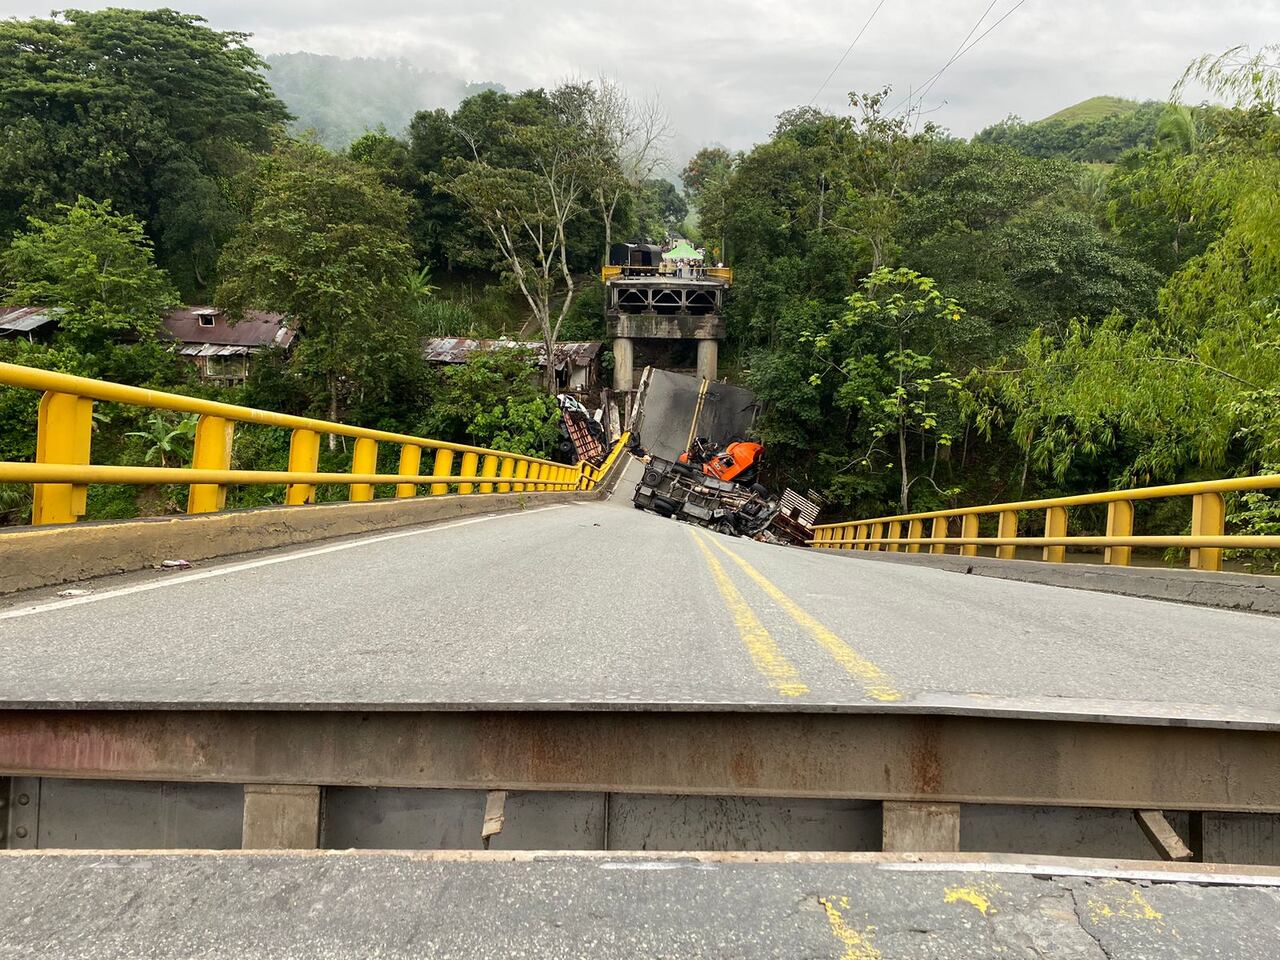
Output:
x,y
708,359
624,364
280,817
918,827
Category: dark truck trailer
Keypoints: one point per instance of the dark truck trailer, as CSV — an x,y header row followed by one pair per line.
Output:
x,y
684,492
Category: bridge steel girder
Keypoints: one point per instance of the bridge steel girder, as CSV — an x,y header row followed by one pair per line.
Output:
x,y
942,758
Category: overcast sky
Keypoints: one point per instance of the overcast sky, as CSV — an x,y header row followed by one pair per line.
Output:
x,y
724,70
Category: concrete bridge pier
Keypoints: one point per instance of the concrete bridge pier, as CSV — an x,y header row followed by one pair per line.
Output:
x,y
708,359
624,364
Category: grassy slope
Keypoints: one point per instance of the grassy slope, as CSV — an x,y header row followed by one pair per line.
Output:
x,y
1095,108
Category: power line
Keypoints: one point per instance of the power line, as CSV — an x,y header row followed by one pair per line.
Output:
x,y
956,53
845,55
928,84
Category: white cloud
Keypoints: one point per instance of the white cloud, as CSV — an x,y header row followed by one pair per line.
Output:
x,y
725,71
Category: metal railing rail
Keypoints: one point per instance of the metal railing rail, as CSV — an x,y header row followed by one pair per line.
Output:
x,y
614,272
591,476
62,472
1207,540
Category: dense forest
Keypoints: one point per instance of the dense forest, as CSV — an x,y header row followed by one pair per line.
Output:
x,y
1071,304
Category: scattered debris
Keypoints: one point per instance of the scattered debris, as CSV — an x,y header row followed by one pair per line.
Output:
x,y
495,815
74,593
583,436
174,565
794,523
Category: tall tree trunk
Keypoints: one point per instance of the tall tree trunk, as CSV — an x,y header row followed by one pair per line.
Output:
x,y
902,456
822,197
333,410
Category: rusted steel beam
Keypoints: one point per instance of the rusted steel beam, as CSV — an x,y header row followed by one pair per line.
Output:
x,y
867,756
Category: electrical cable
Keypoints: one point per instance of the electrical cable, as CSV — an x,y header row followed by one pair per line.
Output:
x,y
845,55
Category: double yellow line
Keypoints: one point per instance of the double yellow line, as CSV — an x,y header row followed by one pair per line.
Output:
x,y
764,650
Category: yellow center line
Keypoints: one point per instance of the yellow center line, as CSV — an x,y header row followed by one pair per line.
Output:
x,y
874,679
768,658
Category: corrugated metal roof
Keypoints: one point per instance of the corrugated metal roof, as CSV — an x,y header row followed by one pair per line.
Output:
x,y
578,353
255,331
26,319
214,350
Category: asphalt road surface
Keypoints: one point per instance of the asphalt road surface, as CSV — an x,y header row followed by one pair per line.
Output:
x,y
395,906
597,603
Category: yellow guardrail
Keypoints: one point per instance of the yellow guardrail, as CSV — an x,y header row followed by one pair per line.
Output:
x,y
723,274
62,473
591,476
1207,540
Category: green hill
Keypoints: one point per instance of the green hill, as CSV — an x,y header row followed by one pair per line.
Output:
x,y
1097,130
340,98
1095,108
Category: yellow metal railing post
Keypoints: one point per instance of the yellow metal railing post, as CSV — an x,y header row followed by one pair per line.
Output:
x,y
877,534
508,471
915,531
469,468
364,459
410,466
490,469
304,457
64,433
1119,524
969,528
1208,519
522,471
1055,525
536,472
939,532
214,436
443,468
895,533
1007,529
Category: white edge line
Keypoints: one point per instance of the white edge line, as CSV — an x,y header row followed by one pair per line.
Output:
x,y
263,562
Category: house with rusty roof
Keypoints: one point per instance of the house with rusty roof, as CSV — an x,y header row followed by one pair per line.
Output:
x,y
221,347
577,363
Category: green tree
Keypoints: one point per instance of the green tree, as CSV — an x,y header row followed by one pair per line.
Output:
x,y
631,137
1195,387
148,108
660,210
706,179
896,392
493,400
528,211
96,267
325,243
1015,240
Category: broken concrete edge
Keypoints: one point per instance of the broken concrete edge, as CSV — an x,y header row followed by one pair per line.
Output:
x,y
1250,593
40,557
1150,871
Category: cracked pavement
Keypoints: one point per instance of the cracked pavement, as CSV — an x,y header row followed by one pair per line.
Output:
x,y
336,905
